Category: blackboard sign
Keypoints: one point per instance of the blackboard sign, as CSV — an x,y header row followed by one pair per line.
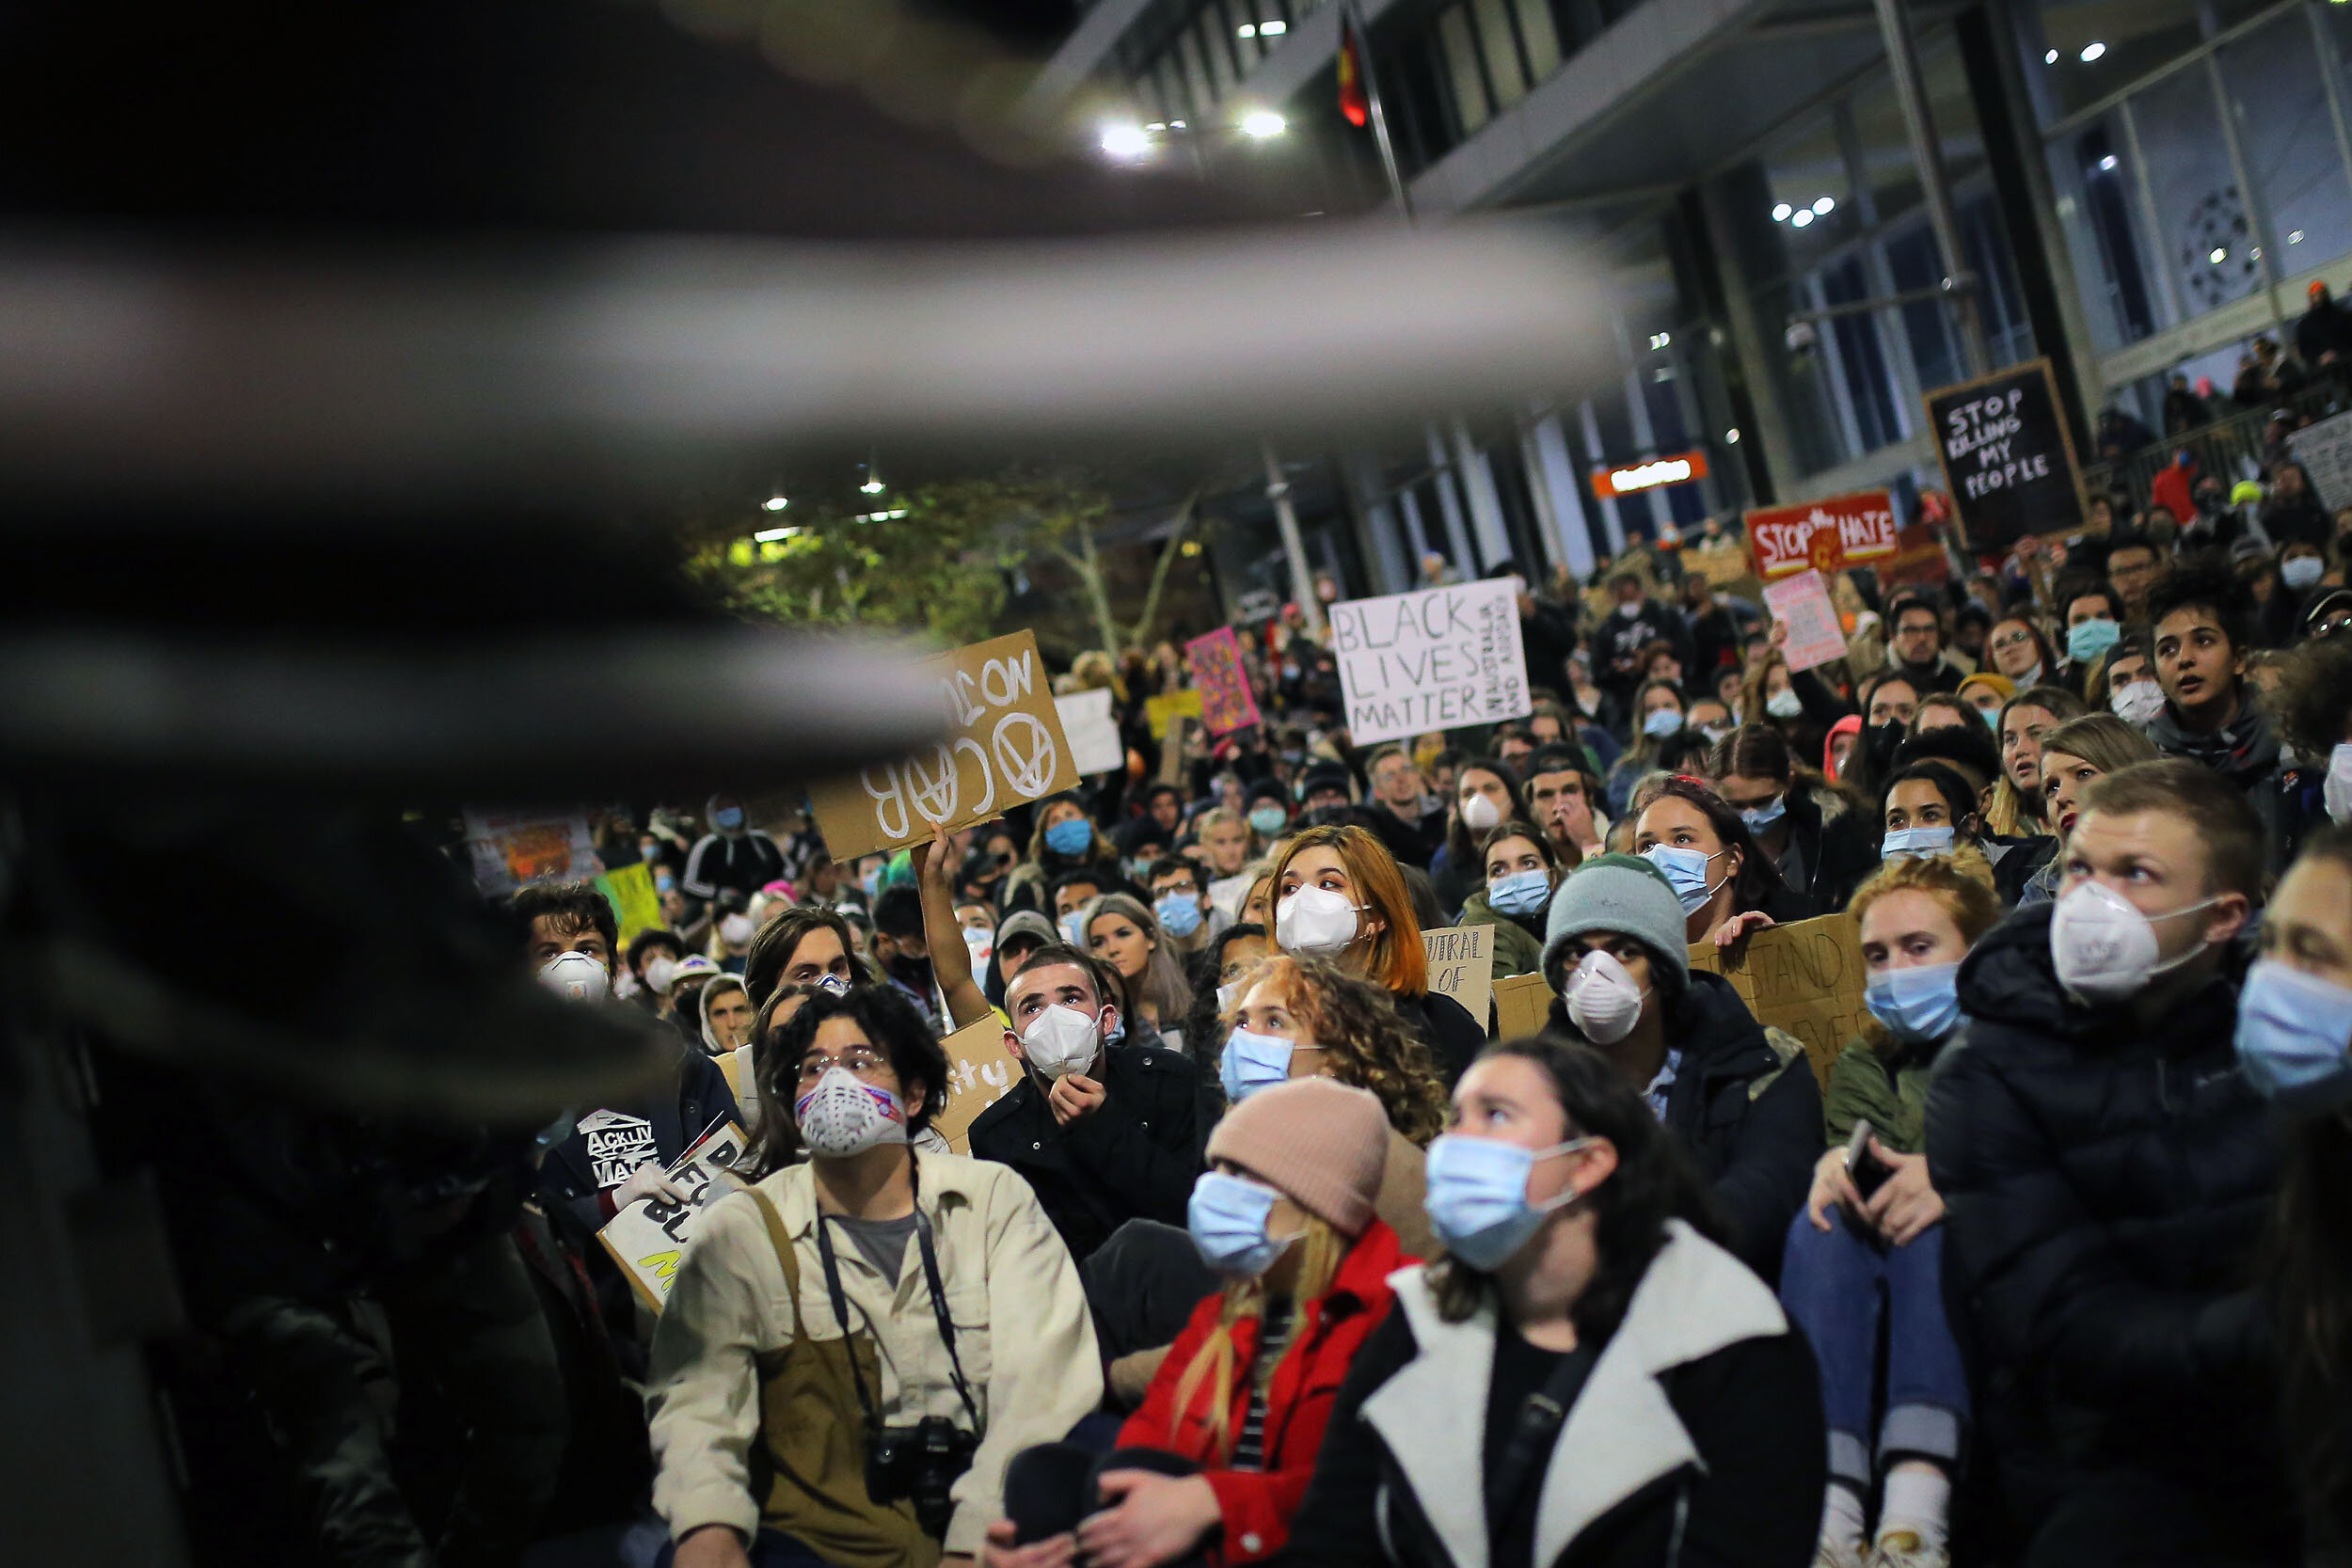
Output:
x,y
2007,457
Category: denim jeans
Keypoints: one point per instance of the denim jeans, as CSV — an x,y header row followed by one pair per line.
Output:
x,y
1833,1284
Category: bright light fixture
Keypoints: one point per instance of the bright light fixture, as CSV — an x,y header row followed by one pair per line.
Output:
x,y
2296,238
774,503
770,535
2093,50
1781,212
1273,29
1804,215
1731,437
2050,58
1261,123
1124,141
1157,125
2218,255
872,486
1248,30
1660,339
1175,124
1824,205
2106,165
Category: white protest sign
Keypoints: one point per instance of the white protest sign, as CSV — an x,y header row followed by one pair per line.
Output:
x,y
1085,718
1802,604
1436,660
2325,451
1005,747
648,1238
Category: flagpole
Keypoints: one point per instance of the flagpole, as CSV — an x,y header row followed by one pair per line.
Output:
x,y
1352,17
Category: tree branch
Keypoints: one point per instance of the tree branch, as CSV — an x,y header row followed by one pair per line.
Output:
x,y
1169,553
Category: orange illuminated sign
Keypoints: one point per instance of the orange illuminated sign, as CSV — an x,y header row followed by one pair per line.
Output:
x,y
1681,468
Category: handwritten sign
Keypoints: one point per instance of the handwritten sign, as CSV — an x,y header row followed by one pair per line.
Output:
x,y
513,848
1802,603
1226,704
1085,718
1806,978
2007,456
1522,1005
1162,711
1462,965
980,1072
1005,747
649,1236
1436,660
2325,450
1826,536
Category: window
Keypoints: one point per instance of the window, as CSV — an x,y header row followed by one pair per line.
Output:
x,y
1499,48
2289,141
2124,43
2204,231
1459,46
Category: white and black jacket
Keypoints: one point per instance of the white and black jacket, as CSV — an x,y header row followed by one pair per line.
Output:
x,y
1696,1440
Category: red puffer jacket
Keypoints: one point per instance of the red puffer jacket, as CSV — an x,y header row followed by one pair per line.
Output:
x,y
1258,1505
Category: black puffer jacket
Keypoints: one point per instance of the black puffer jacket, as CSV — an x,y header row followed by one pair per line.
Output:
x,y
2106,1184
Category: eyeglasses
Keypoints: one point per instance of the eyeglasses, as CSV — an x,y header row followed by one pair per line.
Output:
x,y
2014,639
862,1060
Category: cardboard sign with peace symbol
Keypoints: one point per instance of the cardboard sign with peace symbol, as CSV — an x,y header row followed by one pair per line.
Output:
x,y
1005,747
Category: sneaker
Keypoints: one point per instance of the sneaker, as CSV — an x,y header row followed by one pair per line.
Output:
x,y
1901,1548
1830,1552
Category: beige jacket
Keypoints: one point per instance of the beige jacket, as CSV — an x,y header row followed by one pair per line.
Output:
x,y
1004,1265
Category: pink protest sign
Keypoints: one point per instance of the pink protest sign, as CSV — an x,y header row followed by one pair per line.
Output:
x,y
1226,701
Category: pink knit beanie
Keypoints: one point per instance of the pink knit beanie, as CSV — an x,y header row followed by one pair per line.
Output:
x,y
1315,1138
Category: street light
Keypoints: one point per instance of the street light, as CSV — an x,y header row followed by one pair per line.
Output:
x,y
1260,123
774,503
1123,141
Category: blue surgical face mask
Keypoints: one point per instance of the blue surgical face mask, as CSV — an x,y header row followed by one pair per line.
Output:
x,y
2293,1033
1920,1003
1760,818
1477,1196
1520,892
1179,914
663,881
2086,639
1268,820
1915,842
1069,836
1252,1062
650,853
1661,721
1228,1217
1685,869
727,819
1072,930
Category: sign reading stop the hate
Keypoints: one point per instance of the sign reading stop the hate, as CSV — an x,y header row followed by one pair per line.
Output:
x,y
1825,536
1005,747
1432,660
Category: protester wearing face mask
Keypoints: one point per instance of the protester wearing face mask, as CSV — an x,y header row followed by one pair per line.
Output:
x,y
2092,612
1215,974
1871,1228
1337,896
1486,795
1808,831
903,950
1794,702
1188,922
1521,871
1987,694
1742,1103
2315,708
1658,710
1929,810
1065,840
1223,1445
1104,1134
990,1339
1586,1377
800,947
1725,882
2105,1169
653,955
731,856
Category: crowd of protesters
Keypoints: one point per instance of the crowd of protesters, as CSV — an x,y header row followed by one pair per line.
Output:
x,y
1272,1250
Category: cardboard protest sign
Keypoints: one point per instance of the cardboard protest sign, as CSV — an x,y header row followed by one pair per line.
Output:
x,y
1462,964
512,849
1005,747
1919,559
1085,718
1802,603
1436,660
1226,704
2007,456
635,903
648,1238
742,1070
1522,1005
1826,536
1806,978
980,1072
2325,450
1161,712
1723,568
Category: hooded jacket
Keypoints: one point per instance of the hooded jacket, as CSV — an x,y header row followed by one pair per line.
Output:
x,y
2246,753
1697,1436
746,861
2106,1183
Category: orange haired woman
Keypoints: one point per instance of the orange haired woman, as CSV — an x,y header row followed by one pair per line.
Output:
x,y
1339,895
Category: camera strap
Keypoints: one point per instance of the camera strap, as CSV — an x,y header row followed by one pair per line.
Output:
x,y
939,1311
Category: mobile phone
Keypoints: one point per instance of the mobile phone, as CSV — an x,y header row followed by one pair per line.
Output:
x,y
1866,1170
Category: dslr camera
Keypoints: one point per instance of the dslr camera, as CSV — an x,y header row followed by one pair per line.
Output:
x,y
919,1463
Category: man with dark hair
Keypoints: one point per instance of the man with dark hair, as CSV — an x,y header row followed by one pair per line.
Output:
x,y
1915,644
1180,902
2092,613
1103,1133
2200,611
2107,1174
653,953
1563,794
1411,824
1071,889
902,951
566,917
2133,565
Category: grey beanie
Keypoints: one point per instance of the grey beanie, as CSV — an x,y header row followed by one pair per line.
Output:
x,y
1622,892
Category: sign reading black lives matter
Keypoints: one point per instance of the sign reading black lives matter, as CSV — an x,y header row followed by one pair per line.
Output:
x,y
1433,661
2007,457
